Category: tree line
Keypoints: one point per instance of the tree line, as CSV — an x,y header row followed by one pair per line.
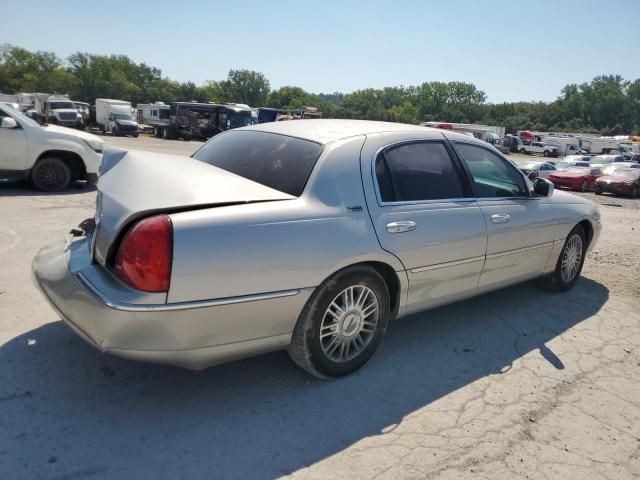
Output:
x,y
609,104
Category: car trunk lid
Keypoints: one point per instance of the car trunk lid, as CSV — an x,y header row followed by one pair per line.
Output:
x,y
136,184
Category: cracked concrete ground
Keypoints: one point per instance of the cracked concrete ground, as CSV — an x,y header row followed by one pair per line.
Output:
x,y
519,383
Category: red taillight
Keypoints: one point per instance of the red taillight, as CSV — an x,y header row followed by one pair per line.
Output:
x,y
145,254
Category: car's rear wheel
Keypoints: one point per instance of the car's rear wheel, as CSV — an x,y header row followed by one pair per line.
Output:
x,y
583,186
51,175
635,192
570,262
342,324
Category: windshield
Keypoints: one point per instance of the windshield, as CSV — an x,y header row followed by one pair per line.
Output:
x,y
20,117
277,161
628,173
528,165
238,119
122,116
608,170
61,105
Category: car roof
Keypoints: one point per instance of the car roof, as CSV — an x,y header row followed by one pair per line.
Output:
x,y
328,130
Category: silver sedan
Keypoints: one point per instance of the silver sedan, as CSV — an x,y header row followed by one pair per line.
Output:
x,y
306,235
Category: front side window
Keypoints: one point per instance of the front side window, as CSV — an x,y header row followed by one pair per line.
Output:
x,y
416,172
492,175
277,161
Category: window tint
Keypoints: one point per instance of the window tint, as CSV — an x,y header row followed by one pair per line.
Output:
x,y
492,175
417,171
277,161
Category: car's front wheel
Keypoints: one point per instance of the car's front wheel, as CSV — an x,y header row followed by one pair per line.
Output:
x,y
570,262
342,324
51,175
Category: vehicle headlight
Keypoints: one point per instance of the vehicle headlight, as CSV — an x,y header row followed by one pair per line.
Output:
x,y
95,145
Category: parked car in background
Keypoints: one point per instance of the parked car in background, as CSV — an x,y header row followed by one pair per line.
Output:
x,y
612,167
566,164
499,144
539,147
534,169
606,159
620,182
635,158
49,156
576,178
309,236
512,143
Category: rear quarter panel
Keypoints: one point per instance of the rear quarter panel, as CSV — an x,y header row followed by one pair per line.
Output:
x,y
274,246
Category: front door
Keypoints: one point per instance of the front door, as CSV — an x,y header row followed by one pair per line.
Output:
x,y
521,228
13,147
424,213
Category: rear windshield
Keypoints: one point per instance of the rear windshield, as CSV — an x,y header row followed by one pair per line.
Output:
x,y
277,161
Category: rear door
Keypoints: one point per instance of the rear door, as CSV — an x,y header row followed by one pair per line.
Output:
x,y
424,213
521,229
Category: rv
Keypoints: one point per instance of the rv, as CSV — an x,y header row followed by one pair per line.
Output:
x,y
153,114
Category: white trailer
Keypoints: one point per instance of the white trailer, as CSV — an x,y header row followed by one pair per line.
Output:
x,y
7,98
600,145
115,117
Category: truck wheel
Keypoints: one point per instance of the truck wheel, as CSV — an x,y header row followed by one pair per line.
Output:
x,y
165,133
156,132
583,187
186,137
523,151
545,153
51,175
52,120
135,135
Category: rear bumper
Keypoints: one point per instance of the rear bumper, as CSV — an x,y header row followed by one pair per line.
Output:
x,y
193,337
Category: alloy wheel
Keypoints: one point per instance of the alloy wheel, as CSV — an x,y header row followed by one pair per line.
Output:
x,y
349,323
571,258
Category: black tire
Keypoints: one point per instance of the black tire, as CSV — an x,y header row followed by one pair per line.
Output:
x,y
545,153
583,186
156,132
186,137
135,135
165,133
555,280
51,175
598,191
306,349
115,132
523,151
635,192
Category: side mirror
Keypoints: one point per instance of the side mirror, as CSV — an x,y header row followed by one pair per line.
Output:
x,y
8,122
543,187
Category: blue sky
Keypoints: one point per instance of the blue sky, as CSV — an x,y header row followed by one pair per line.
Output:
x,y
512,50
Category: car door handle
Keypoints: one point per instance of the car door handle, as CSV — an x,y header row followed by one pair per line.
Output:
x,y
399,227
500,218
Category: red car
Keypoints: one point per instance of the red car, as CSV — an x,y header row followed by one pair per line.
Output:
x,y
576,178
621,182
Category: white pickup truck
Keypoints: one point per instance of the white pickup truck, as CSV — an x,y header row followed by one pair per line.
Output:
x,y
539,147
51,157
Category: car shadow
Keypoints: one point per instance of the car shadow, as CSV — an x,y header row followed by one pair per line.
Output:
x,y
25,189
68,410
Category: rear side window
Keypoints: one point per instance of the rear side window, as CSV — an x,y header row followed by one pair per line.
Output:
x,y
417,171
277,161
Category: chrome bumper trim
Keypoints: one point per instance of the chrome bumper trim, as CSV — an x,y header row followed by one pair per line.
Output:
x,y
163,307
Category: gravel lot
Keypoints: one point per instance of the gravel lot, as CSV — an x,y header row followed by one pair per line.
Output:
x,y
520,383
